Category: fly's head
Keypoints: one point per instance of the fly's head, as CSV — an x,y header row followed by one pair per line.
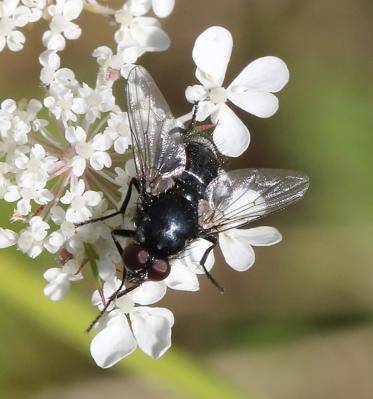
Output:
x,y
142,265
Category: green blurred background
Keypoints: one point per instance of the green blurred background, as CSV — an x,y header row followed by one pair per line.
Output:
x,y
299,323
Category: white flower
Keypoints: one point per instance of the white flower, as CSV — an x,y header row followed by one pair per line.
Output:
x,y
36,8
113,66
61,27
32,175
92,102
150,328
60,102
31,239
143,33
94,150
251,90
7,238
59,279
236,244
24,196
50,61
35,168
12,16
119,131
81,202
15,124
63,235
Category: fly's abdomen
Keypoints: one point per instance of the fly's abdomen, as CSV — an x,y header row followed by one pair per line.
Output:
x,y
202,166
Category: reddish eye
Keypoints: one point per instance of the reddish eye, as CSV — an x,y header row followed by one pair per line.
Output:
x,y
135,257
159,270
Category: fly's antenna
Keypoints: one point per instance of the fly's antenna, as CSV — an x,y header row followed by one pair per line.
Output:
x,y
117,294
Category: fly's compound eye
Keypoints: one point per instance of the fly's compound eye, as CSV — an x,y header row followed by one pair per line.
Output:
x,y
136,257
159,270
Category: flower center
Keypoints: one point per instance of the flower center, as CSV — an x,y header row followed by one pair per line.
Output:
x,y
78,202
85,150
125,304
218,95
34,165
58,24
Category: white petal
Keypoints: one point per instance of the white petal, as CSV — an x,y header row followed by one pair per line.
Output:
x,y
138,7
21,16
182,278
57,215
192,257
12,194
72,9
79,106
2,42
231,136
205,109
16,40
114,342
51,274
75,135
54,242
7,238
236,250
261,236
58,287
195,93
121,145
100,160
53,41
265,74
163,8
211,53
148,293
152,329
72,31
101,142
78,166
106,268
155,39
258,103
92,197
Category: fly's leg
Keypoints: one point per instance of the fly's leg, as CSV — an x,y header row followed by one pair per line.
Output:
x,y
193,121
117,293
133,182
214,242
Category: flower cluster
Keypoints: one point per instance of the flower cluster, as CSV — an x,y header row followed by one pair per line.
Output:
x,y
76,164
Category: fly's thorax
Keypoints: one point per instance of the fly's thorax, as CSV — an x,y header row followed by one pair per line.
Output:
x,y
168,223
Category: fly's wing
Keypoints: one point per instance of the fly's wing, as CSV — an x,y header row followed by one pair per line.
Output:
x,y
239,197
158,150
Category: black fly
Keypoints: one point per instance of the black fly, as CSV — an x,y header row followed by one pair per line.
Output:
x,y
184,194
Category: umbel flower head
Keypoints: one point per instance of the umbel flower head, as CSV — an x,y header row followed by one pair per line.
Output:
x,y
67,158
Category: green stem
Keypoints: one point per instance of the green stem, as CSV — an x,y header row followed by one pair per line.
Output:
x,y
92,259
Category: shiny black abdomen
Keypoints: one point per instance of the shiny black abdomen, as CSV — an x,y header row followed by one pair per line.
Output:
x,y
170,220
202,166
